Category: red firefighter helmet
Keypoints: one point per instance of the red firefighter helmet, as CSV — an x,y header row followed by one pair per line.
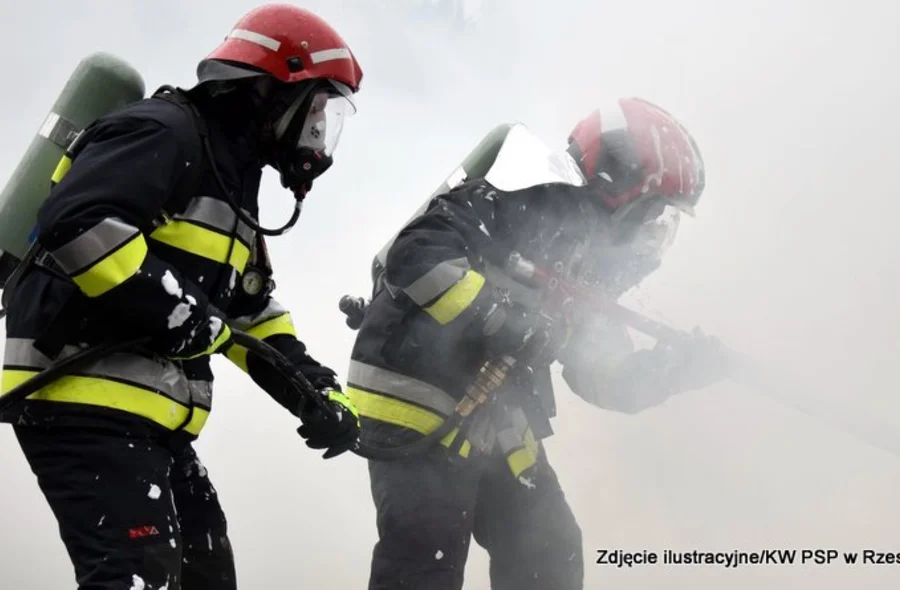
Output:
x,y
633,152
284,41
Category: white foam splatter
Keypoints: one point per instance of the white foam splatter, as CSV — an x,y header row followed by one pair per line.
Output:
x,y
172,543
170,284
439,555
137,582
154,492
215,326
527,482
656,177
179,315
102,518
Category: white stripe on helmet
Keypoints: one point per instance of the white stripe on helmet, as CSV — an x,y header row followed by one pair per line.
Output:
x,y
257,38
330,54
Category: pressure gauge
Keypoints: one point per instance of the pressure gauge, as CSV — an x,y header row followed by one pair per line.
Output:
x,y
252,282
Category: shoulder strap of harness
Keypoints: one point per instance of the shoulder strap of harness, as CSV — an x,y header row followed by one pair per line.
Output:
x,y
187,189
189,186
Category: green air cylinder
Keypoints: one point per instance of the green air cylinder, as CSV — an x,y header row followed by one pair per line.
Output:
x,y
475,165
99,85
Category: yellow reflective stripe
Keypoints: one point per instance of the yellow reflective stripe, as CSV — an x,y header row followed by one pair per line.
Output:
x,y
280,324
113,270
198,421
523,457
399,413
344,400
204,242
224,335
457,298
65,163
96,391
463,449
238,355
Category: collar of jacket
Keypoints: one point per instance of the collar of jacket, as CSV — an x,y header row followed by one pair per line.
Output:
x,y
225,116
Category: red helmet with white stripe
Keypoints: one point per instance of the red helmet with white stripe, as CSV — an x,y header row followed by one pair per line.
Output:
x,y
289,43
633,152
317,76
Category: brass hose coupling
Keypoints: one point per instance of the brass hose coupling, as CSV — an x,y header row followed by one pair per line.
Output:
x,y
488,380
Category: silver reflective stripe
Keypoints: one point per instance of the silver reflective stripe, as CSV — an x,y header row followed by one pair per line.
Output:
x,y
245,322
513,438
482,433
158,375
59,130
401,387
93,245
217,214
330,54
437,280
201,393
254,37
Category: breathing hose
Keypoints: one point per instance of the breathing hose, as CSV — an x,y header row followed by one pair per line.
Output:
x,y
84,358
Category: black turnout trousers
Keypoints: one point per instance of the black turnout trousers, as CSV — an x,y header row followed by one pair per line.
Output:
x,y
132,512
428,509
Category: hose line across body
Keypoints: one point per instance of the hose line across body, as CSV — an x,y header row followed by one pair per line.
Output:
x,y
268,353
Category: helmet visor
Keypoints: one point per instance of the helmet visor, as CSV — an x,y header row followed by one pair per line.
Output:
x,y
324,120
656,232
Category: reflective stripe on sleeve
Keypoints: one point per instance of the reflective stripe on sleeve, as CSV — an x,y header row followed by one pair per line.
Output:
x,y
437,280
457,298
278,324
103,257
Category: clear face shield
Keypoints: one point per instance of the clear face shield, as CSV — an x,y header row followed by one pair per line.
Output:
x,y
656,232
324,120
634,248
307,140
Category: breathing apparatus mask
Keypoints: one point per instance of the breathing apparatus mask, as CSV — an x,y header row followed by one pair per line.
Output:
x,y
296,126
633,245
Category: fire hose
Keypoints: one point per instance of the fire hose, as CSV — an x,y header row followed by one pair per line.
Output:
x,y
488,380
742,370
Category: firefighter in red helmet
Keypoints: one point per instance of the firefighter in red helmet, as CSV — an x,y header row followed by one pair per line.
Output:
x,y
151,230
451,323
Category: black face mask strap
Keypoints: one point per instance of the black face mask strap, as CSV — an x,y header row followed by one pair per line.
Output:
x,y
239,212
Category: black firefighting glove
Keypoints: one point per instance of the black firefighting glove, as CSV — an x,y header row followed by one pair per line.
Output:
x,y
694,362
355,310
334,427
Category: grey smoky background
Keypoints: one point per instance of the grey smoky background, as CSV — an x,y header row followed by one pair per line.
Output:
x,y
792,259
